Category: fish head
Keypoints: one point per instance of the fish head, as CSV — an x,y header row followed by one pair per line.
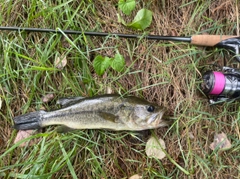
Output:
x,y
148,116
144,115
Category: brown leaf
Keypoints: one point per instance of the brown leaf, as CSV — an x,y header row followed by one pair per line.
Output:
x,y
60,62
220,142
47,98
153,149
23,135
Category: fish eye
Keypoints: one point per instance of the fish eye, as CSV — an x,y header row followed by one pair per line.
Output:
x,y
150,108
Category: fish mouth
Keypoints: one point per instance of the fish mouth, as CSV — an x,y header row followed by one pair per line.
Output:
x,y
155,119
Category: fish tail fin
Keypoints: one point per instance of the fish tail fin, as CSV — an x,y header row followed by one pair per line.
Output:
x,y
28,121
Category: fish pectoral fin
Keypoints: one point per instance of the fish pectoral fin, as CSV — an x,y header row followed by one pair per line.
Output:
x,y
108,116
64,102
64,129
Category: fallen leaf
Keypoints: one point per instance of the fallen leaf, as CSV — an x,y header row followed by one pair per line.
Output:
x,y
60,62
190,135
23,135
220,142
153,149
47,98
136,176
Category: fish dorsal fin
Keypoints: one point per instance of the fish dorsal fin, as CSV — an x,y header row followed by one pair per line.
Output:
x,y
109,117
64,102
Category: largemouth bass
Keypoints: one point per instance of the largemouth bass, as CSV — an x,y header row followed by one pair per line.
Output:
x,y
101,112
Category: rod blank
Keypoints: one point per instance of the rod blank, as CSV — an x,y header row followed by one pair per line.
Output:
x,y
103,34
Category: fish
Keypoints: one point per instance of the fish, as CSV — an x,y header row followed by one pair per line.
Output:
x,y
111,112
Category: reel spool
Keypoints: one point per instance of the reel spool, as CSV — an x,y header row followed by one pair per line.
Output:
x,y
222,86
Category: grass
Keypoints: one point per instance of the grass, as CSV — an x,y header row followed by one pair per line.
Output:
x,y
167,73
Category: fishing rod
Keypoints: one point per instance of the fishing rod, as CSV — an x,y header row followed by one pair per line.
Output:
x,y
229,42
218,86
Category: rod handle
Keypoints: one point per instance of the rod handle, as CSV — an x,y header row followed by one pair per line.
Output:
x,y
209,40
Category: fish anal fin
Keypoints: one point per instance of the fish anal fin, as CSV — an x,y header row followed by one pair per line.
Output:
x,y
64,129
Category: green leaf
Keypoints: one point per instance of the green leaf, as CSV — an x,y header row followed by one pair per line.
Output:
x,y
142,20
118,62
127,6
100,64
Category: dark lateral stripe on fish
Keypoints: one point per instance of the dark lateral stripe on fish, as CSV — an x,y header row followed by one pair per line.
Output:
x,y
71,113
34,120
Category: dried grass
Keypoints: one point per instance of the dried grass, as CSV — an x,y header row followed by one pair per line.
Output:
x,y
163,72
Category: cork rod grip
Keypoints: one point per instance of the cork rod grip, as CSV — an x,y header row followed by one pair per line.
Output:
x,y
209,40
